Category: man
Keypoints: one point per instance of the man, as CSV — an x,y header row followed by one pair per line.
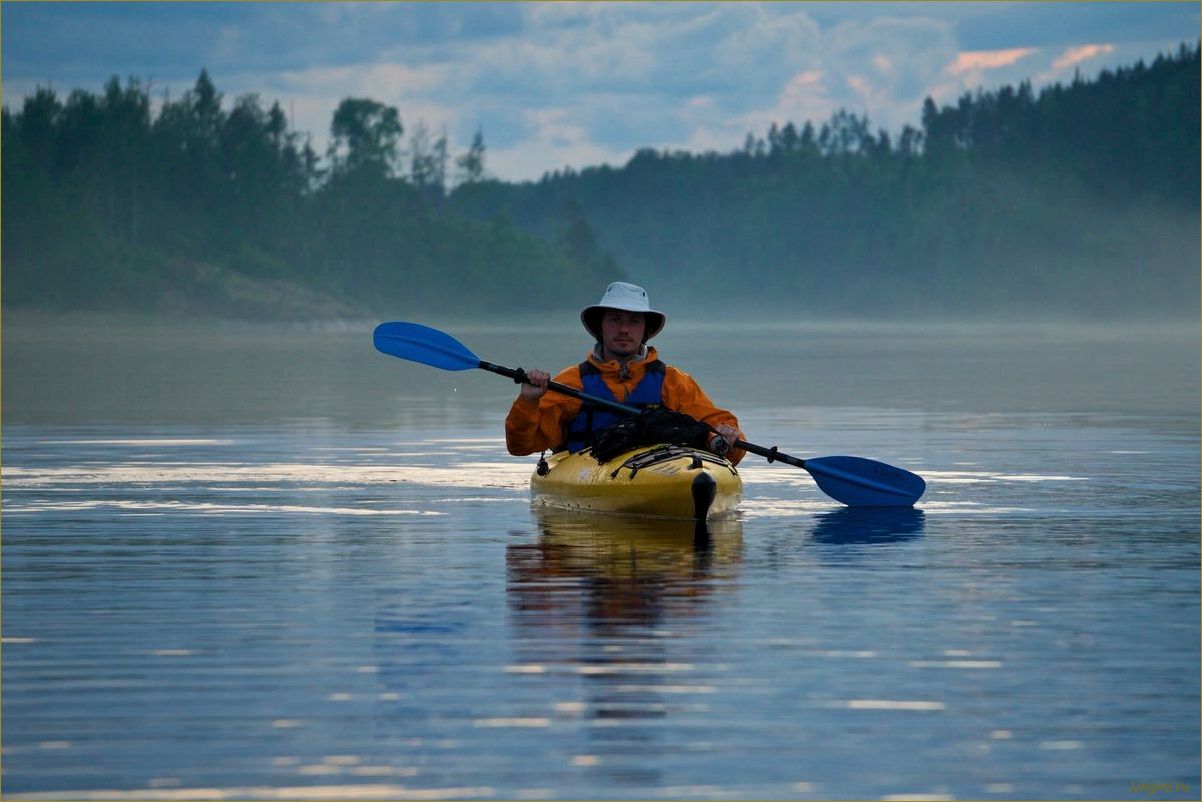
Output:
x,y
621,366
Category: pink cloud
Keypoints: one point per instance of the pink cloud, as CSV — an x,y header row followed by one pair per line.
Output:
x,y
976,60
1076,55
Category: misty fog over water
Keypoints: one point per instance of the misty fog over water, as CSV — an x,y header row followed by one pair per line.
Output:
x,y
134,369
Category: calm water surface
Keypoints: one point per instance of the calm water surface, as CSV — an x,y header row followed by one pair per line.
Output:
x,y
258,562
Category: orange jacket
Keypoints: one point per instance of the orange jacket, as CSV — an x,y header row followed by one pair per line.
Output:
x,y
543,424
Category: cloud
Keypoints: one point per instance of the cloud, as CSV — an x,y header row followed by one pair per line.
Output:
x,y
880,67
630,75
974,68
805,96
979,61
760,44
387,82
562,83
554,141
1070,61
1076,55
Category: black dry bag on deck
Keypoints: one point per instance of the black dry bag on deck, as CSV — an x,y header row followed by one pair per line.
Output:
x,y
650,427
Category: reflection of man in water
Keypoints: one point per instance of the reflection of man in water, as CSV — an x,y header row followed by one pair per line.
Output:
x,y
595,607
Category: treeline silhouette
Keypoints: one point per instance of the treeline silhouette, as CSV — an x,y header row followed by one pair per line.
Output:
x,y
197,209
1079,200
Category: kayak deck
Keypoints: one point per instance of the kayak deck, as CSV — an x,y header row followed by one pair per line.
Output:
x,y
666,481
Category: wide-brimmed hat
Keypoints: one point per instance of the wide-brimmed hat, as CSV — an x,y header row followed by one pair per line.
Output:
x,y
628,298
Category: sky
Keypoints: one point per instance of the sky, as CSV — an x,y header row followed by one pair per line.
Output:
x,y
577,84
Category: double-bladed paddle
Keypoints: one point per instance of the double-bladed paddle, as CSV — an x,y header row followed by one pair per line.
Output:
x,y
855,481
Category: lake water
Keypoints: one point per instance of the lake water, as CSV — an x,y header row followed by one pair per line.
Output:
x,y
264,562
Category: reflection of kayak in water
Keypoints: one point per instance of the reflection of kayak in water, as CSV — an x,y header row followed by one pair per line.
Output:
x,y
666,481
592,536
613,546
619,570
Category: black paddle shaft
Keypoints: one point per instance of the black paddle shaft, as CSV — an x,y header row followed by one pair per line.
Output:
x,y
519,377
771,454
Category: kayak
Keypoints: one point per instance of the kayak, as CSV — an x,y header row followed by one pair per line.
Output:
x,y
665,481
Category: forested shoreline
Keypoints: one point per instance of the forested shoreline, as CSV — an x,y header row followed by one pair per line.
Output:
x,y
1079,200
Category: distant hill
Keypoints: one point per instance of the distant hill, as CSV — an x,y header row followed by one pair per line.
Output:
x,y
1081,200
204,210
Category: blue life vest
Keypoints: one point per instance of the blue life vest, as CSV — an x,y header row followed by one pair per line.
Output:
x,y
648,392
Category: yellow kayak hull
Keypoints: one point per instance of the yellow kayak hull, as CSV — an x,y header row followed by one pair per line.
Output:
x,y
664,481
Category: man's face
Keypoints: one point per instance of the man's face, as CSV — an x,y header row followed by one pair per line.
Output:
x,y
622,333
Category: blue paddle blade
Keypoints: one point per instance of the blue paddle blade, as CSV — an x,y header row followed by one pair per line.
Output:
x,y
859,482
419,343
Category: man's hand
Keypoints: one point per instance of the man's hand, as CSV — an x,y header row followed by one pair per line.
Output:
x,y
535,385
729,433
